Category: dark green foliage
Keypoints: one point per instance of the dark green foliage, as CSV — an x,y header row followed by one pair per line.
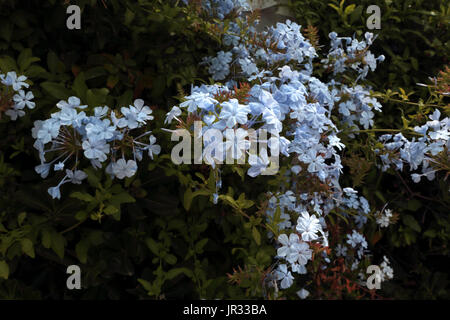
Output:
x,y
414,34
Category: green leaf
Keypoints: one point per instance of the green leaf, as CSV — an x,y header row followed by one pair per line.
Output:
x,y
27,247
430,233
129,16
81,215
21,217
177,271
380,196
36,71
405,122
95,73
82,196
4,270
122,197
81,249
256,235
356,14
349,9
80,87
96,97
147,285
153,246
170,259
239,171
25,59
46,239
54,64
125,99
189,196
58,244
411,222
187,199
92,178
414,205
229,199
199,245
7,64
110,210
244,203
56,90
414,63
113,211
335,7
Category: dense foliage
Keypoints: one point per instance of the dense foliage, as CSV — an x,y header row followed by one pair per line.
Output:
x,y
364,152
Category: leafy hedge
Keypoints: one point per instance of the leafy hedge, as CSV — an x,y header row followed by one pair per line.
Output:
x,y
159,234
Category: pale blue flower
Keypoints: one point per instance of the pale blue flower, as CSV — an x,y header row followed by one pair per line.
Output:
x,y
76,177
71,103
123,168
233,112
23,99
55,192
152,147
175,112
95,149
285,276
12,80
303,293
59,166
308,226
258,164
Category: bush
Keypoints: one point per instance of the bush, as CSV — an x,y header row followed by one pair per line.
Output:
x,y
160,230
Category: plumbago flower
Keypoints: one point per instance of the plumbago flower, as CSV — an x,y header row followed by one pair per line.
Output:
x,y
13,99
70,136
221,8
429,151
384,218
239,115
268,81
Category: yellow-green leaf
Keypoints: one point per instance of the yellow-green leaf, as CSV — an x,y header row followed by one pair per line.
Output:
x,y
27,247
4,270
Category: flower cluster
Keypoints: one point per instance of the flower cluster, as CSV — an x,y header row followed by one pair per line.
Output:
x,y
310,230
386,270
70,135
306,113
384,218
13,99
349,53
221,108
418,152
295,249
354,101
222,8
279,44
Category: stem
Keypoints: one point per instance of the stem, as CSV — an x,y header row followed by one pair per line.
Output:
x,y
408,102
388,130
73,227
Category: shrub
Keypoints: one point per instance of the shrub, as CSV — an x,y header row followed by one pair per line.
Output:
x,y
333,205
